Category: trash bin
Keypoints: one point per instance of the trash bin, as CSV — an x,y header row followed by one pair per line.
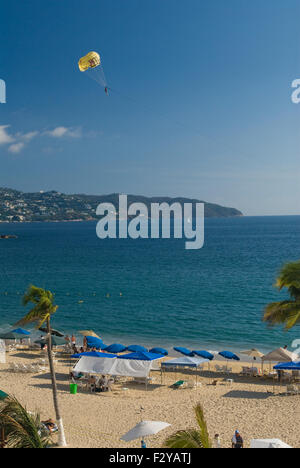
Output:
x,y
73,389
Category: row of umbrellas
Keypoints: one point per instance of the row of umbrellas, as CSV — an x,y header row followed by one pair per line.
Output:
x,y
94,341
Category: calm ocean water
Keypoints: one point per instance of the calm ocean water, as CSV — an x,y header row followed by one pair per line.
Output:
x,y
154,292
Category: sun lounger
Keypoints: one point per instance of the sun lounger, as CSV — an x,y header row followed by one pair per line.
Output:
x,y
292,390
190,384
178,384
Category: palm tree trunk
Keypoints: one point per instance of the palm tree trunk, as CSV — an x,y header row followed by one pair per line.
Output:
x,y
62,439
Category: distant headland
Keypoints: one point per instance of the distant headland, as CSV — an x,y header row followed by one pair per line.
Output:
x,y
21,207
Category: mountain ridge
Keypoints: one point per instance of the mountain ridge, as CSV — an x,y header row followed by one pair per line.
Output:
x,y
18,206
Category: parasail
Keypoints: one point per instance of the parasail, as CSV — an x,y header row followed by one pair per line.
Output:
x,y
91,64
91,60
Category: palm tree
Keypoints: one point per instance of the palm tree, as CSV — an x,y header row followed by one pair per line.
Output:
x,y
191,438
41,313
21,429
286,312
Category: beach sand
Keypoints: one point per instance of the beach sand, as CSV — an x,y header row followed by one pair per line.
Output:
x,y
99,420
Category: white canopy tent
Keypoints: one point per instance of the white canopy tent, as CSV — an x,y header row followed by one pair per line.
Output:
x,y
269,443
185,362
114,366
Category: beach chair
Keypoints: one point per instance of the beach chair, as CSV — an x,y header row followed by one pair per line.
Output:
x,y
292,390
178,384
190,384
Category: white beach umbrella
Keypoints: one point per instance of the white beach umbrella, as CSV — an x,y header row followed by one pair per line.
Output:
x,y
144,429
254,353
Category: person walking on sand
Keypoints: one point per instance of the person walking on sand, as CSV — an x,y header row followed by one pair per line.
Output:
x,y
217,442
237,441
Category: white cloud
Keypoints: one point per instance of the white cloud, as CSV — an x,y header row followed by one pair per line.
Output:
x,y
5,138
60,132
18,141
16,147
29,136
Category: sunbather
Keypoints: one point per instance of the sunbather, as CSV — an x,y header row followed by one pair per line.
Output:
x,y
50,426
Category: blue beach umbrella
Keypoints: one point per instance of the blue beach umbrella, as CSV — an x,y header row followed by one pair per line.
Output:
x,y
115,348
94,342
161,351
204,354
229,355
55,341
184,351
93,354
21,331
288,366
13,336
141,356
137,349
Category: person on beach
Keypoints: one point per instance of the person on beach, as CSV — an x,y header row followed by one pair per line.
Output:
x,y
217,441
143,444
73,340
237,441
50,425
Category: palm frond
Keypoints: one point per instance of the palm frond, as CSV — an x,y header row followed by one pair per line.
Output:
x,y
289,276
287,312
22,429
284,312
43,306
203,426
191,438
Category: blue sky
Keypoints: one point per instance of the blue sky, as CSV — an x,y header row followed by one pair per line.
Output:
x,y
202,103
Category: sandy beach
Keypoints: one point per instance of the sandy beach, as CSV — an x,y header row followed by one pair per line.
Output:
x,y
99,420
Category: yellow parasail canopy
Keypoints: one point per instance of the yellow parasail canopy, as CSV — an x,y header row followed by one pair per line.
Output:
x,y
91,60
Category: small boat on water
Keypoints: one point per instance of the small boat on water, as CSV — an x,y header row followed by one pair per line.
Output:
x,y
8,236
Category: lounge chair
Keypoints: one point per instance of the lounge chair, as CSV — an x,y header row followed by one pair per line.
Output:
x,y
292,390
190,384
178,384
